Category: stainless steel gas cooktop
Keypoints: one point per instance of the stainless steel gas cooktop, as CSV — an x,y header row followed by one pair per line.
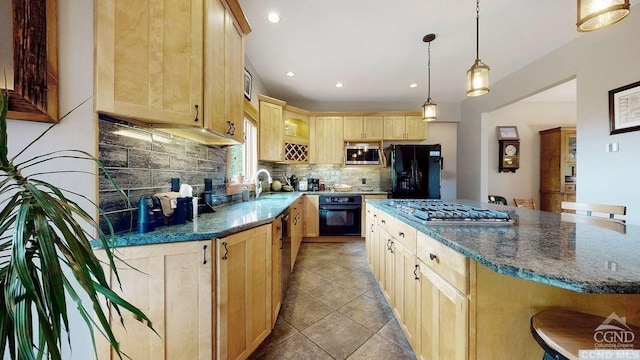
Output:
x,y
447,213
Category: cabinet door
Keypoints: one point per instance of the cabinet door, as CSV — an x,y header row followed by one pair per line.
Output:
x,y
149,60
387,266
569,147
276,270
244,291
311,216
415,128
405,291
394,128
234,84
373,127
172,284
353,129
369,232
296,235
443,316
329,140
271,130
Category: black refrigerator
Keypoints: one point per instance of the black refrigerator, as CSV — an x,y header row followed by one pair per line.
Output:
x,y
415,171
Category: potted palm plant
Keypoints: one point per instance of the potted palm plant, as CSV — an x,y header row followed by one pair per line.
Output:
x,y
46,257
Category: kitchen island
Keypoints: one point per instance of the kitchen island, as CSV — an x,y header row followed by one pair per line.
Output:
x,y
478,285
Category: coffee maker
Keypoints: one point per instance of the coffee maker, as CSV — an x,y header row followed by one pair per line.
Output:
x,y
314,184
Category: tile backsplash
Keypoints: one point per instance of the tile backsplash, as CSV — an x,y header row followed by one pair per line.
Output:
x,y
142,162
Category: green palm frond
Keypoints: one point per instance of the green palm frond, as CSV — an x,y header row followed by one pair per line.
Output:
x,y
46,239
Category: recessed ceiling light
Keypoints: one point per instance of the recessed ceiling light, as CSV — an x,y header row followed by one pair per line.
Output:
x,y
339,85
273,17
414,85
290,74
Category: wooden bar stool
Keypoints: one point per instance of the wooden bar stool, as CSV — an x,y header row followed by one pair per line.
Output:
x,y
562,333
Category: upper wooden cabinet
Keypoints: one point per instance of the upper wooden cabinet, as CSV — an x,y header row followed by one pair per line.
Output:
x,y
271,129
363,128
401,127
328,140
151,65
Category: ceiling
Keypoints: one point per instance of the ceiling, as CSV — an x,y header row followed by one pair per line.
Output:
x,y
375,48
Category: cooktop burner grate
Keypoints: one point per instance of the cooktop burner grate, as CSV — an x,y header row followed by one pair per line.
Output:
x,y
442,212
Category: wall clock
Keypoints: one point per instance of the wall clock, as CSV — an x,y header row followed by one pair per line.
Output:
x,y
509,149
509,157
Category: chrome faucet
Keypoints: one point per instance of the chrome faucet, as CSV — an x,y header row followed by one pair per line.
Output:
x,y
259,183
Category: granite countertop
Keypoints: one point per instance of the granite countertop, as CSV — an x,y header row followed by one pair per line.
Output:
x,y
226,220
543,248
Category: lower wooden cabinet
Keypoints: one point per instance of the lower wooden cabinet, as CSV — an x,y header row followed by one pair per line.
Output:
x,y
311,216
405,292
276,269
296,219
443,315
172,284
243,266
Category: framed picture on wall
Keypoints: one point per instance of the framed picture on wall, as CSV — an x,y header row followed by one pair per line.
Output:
x,y
624,109
247,84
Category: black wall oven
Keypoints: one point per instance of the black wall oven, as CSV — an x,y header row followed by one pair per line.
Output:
x,y
340,215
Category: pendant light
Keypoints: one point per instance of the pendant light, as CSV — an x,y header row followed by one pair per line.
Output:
x,y
478,74
429,108
596,14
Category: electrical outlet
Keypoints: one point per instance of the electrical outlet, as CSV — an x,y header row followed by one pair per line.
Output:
x,y
612,147
364,181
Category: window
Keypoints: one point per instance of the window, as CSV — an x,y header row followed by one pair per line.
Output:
x,y
250,158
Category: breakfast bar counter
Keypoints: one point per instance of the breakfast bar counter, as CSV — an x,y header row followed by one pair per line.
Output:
x,y
541,246
463,289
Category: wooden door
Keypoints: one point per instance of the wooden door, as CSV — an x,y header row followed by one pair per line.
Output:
x,y
311,216
373,127
149,60
394,128
234,84
244,291
443,319
353,129
329,140
415,128
271,132
172,284
405,291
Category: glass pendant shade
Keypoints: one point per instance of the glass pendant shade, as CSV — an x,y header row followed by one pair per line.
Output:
x,y
596,14
478,79
429,110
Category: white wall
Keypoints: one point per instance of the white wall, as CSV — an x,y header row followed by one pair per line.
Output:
x,y
600,61
530,118
445,133
78,131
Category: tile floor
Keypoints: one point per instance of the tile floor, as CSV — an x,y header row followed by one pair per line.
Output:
x,y
333,309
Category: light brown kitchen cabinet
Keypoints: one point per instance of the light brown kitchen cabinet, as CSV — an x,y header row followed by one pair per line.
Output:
x,y
172,284
270,129
405,292
311,216
149,60
276,269
243,266
363,128
151,65
558,152
409,127
296,217
366,210
328,143
369,233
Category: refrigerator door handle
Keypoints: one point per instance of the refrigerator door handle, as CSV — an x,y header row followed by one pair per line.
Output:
x,y
441,163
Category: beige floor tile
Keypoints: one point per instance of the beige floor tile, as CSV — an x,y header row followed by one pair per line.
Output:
x,y
338,335
368,312
378,348
303,310
306,280
295,348
392,332
330,270
358,280
333,294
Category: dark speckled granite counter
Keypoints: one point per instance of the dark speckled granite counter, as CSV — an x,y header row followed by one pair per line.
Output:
x,y
227,220
543,248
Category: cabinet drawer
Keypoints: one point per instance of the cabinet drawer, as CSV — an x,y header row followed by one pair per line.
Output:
x,y
400,231
370,211
446,262
569,187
